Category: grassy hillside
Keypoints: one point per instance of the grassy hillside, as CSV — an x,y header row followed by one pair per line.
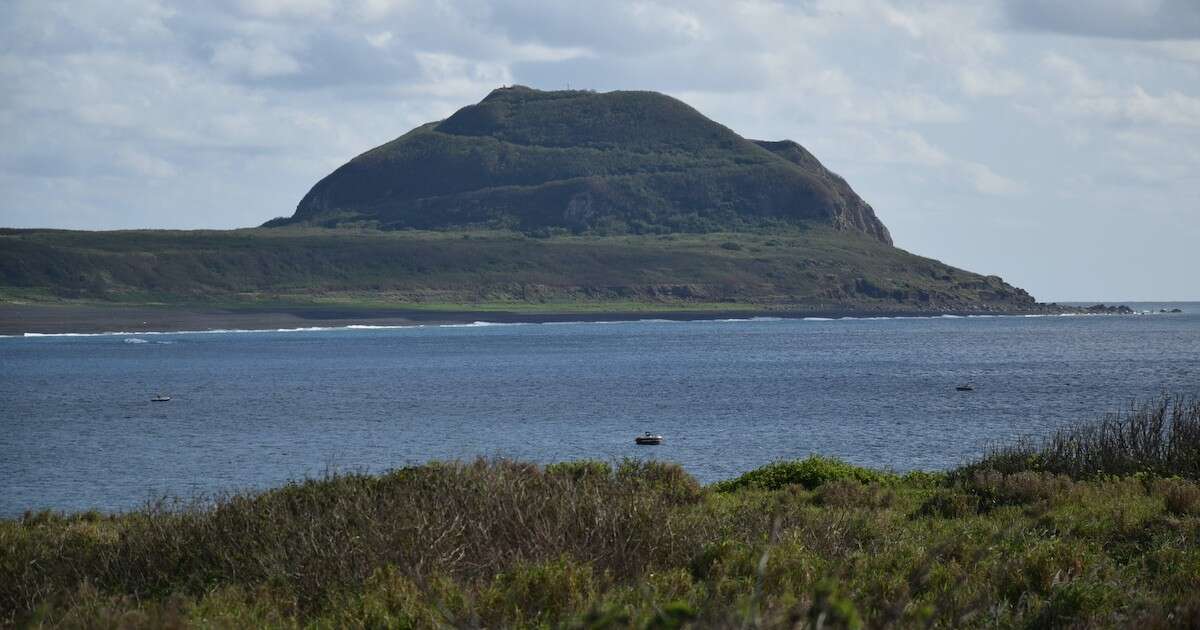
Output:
x,y
810,544
819,269
579,161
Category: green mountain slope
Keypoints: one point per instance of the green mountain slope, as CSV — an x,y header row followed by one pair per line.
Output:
x,y
821,270
578,161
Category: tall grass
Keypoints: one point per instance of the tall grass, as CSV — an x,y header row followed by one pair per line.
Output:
x,y
1160,437
317,538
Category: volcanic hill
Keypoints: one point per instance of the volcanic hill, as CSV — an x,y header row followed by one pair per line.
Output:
x,y
568,202
611,163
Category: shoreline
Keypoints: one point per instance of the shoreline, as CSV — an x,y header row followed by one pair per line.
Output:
x,y
17,320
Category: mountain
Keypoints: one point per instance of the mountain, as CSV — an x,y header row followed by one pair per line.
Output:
x,y
583,162
567,202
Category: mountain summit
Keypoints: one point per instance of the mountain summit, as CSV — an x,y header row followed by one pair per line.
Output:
x,y
581,161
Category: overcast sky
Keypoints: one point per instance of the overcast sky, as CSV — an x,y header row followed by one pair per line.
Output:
x,y
1057,147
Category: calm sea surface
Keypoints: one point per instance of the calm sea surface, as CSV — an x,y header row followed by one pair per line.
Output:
x,y
77,428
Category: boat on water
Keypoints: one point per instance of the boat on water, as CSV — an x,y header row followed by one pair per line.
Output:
x,y
966,387
160,398
648,439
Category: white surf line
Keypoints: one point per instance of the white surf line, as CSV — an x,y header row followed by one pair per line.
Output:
x,y
484,324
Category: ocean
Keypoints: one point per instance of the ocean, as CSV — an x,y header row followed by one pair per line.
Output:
x,y
255,409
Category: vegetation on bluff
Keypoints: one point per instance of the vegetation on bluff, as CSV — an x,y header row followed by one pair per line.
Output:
x,y
814,269
815,543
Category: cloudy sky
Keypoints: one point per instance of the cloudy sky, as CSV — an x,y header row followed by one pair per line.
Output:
x,y
1056,144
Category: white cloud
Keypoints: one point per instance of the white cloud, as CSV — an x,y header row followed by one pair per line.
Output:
x,y
678,22
1115,104
450,75
1071,73
909,148
984,81
912,148
107,114
988,182
860,105
256,60
538,52
1187,51
1134,19
1136,106
923,107
145,165
380,40
288,8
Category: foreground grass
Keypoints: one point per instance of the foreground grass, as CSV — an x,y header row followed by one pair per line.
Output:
x,y
814,543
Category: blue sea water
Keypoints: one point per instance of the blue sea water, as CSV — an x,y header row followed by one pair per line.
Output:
x,y
254,409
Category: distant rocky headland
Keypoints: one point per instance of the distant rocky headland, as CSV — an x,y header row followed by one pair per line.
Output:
x,y
534,204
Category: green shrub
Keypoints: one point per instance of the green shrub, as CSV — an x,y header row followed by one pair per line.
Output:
x,y
945,503
581,469
668,481
1182,498
1070,605
845,493
1023,488
673,615
321,537
538,594
831,609
511,544
810,473
389,599
924,478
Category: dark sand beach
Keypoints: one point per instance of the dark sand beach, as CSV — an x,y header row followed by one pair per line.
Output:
x,y
18,319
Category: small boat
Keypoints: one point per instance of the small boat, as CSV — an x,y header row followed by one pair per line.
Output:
x,y
965,388
648,439
160,398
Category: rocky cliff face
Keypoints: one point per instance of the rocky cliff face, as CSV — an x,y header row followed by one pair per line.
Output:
x,y
579,161
852,212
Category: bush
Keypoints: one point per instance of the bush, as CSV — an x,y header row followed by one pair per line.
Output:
x,y
830,608
538,594
1161,437
995,489
810,473
845,493
945,503
1182,498
582,469
318,538
639,544
666,480
924,479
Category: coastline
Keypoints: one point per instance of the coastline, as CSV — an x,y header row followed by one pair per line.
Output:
x,y
55,319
